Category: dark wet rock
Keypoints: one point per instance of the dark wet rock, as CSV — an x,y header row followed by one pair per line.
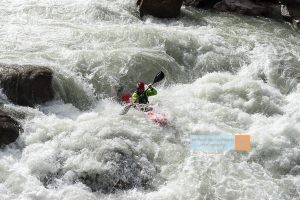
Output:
x,y
194,3
124,171
288,10
26,85
294,11
160,8
285,13
296,23
9,129
201,3
290,2
239,6
291,12
138,2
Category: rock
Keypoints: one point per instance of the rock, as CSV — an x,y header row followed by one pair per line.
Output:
x,y
9,129
273,11
294,11
246,7
288,10
284,11
201,3
194,3
296,23
160,8
26,85
290,2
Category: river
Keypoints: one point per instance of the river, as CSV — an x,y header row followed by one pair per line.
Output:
x,y
225,74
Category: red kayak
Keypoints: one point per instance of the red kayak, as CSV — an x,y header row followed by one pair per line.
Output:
x,y
158,118
152,114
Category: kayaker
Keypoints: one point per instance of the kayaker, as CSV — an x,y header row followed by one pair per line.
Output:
x,y
141,95
139,99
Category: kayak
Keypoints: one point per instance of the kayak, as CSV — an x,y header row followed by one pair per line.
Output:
x,y
152,114
158,118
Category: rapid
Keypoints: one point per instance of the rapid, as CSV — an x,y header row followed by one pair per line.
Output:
x,y
225,74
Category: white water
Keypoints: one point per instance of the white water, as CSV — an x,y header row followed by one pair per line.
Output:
x,y
213,65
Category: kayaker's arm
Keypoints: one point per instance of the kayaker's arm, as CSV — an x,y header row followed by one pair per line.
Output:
x,y
151,92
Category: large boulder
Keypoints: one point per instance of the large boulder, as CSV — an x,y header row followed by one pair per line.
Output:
x,y
26,85
9,129
160,8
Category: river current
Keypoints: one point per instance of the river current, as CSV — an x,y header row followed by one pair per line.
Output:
x,y
225,74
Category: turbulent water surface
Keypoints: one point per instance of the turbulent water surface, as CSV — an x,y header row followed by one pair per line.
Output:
x,y
225,74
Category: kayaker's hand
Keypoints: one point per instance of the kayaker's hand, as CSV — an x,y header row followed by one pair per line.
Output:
x,y
150,86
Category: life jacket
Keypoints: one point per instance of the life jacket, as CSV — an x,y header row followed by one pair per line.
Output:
x,y
143,98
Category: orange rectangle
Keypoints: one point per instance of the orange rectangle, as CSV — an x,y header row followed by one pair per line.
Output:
x,y
242,142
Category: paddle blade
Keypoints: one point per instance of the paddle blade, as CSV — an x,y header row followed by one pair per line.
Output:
x,y
125,109
160,76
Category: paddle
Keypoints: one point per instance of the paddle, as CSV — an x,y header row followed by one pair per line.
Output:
x,y
160,76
